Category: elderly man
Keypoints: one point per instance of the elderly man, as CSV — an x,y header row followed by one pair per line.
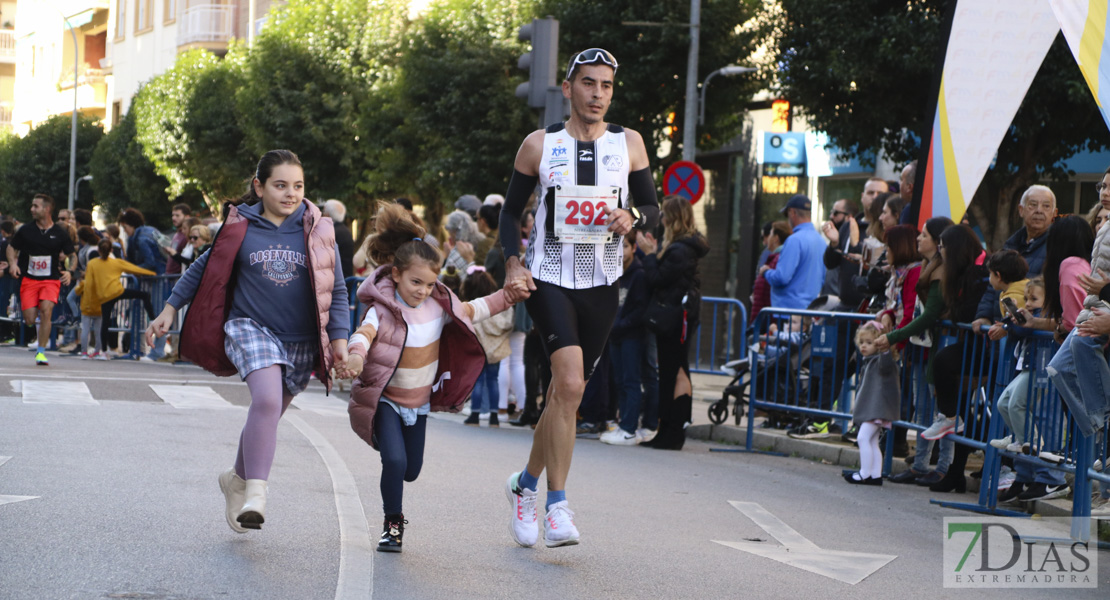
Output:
x,y
1037,208
797,278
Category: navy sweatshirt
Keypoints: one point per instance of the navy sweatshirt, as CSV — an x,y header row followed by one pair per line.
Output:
x,y
273,285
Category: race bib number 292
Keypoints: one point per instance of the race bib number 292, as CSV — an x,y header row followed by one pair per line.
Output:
x,y
580,213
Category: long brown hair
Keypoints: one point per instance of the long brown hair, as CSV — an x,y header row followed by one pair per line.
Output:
x,y
935,227
680,220
399,240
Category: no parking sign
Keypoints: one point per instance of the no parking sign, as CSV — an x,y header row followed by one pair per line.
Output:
x,y
685,179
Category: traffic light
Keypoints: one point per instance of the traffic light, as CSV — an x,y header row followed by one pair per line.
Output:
x,y
541,62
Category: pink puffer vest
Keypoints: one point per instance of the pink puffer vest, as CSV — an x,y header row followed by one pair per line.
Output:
x,y
461,358
202,333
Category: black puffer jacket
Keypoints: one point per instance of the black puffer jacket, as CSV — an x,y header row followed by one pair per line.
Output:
x,y
675,274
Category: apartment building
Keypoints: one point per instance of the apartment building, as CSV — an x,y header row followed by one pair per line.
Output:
x,y
117,45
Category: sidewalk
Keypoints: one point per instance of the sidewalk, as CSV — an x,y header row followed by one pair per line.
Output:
x,y
831,450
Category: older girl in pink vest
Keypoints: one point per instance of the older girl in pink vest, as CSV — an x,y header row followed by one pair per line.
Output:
x,y
266,302
400,353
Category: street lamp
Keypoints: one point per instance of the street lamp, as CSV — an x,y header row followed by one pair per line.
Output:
x,y
77,189
728,71
73,121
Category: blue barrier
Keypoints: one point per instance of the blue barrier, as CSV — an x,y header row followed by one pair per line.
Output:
x,y
732,326
807,367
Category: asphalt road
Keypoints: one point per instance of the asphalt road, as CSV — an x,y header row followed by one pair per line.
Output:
x,y
125,504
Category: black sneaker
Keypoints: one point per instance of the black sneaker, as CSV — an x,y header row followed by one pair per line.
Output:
x,y
472,419
851,435
493,421
834,429
393,530
587,428
1041,491
1011,494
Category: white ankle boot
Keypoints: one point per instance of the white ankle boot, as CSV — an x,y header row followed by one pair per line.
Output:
x,y
253,513
234,489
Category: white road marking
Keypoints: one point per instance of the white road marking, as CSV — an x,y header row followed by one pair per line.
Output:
x,y
190,396
68,375
356,554
328,406
11,499
56,392
797,551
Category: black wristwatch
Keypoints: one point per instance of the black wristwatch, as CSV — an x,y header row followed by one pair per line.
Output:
x,y
637,216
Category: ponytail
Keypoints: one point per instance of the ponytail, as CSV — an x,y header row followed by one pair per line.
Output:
x,y
399,240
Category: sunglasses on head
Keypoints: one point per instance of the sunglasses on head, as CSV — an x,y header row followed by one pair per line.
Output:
x,y
590,57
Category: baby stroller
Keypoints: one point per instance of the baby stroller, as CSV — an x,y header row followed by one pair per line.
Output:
x,y
781,371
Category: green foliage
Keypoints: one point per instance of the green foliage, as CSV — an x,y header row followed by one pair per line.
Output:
x,y
448,122
123,176
863,71
188,126
651,81
306,74
39,163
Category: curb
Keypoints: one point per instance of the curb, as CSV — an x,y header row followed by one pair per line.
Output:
x,y
848,456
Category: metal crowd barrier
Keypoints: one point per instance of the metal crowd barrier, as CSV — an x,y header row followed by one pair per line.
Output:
x,y
808,368
352,297
132,319
726,321
59,318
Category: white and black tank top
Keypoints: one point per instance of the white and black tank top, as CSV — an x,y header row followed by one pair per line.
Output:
x,y
565,160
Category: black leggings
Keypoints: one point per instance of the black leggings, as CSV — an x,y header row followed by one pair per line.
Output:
x,y
107,308
955,367
566,317
402,450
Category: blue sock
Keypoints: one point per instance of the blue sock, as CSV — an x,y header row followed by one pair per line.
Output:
x,y
554,496
527,480
40,349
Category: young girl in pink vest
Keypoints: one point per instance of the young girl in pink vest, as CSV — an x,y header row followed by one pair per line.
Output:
x,y
286,316
400,353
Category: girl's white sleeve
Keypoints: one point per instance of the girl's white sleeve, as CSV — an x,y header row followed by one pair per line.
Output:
x,y
366,330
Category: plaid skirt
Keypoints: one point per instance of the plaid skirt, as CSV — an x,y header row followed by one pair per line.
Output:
x,y
251,347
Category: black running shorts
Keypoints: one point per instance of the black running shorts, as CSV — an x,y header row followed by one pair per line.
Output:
x,y
583,318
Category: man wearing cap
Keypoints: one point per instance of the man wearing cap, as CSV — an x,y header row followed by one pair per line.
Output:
x,y
595,184
469,203
797,278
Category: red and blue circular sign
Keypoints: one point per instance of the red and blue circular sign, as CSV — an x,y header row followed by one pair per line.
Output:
x,y
685,179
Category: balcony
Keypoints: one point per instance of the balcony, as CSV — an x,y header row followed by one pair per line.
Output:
x,y
7,46
86,75
206,24
5,116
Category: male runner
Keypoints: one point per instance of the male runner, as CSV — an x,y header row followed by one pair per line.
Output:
x,y
41,247
586,170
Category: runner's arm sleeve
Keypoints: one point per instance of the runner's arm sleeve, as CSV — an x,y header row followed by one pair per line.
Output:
x,y
641,186
520,189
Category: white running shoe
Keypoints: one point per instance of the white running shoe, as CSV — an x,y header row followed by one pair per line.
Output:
x,y
558,526
1002,443
522,527
1017,448
645,434
619,437
942,427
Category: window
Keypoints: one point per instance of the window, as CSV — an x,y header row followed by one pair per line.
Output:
x,y
144,16
121,18
169,11
117,109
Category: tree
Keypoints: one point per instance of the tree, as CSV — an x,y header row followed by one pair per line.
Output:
x,y
188,126
447,122
651,81
39,163
863,71
306,74
123,176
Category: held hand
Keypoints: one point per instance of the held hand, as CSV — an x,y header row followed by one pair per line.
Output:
x,y
647,243
514,271
978,324
516,290
161,325
996,332
1092,284
1097,325
620,220
882,343
354,365
339,358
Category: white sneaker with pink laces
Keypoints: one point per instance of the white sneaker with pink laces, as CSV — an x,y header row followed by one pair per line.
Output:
x,y
558,526
522,527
